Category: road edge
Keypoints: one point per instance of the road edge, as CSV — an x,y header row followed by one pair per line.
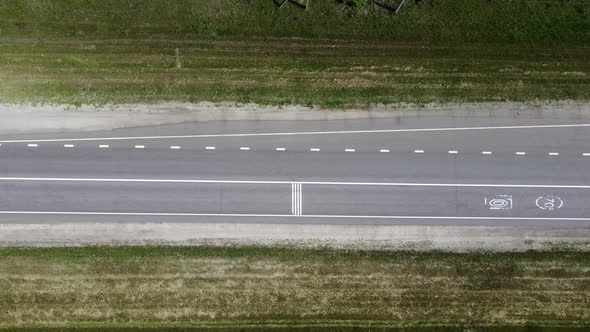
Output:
x,y
366,237
56,118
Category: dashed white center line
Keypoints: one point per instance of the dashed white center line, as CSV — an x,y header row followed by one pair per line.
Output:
x,y
32,145
520,153
314,150
349,150
103,146
245,148
453,152
384,150
486,152
586,154
68,145
554,153
140,146
175,147
418,151
209,148
280,149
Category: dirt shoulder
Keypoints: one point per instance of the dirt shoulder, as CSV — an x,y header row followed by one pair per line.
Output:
x,y
365,237
48,118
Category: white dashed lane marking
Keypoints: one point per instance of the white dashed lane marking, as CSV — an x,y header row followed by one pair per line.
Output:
x,y
315,149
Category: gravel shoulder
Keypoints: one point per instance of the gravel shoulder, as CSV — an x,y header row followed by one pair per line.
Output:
x,y
55,118
358,237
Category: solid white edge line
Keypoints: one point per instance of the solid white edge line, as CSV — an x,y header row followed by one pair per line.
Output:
x,y
376,131
298,192
284,215
292,198
297,198
384,184
300,199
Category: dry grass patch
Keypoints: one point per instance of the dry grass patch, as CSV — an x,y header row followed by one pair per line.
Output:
x,y
159,286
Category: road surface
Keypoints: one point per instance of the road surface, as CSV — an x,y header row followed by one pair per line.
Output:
x,y
420,170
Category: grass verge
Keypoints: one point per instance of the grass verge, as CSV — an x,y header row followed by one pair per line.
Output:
x,y
252,287
319,72
334,55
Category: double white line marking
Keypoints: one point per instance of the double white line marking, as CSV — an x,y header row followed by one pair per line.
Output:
x,y
296,199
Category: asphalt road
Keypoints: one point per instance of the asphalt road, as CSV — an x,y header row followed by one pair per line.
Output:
x,y
428,169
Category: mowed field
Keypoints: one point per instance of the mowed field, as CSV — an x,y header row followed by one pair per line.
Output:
x,y
166,287
335,54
